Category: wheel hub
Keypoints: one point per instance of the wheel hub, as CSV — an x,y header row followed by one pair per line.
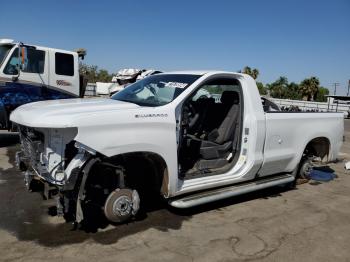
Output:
x,y
121,204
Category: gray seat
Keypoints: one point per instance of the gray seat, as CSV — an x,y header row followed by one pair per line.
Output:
x,y
222,140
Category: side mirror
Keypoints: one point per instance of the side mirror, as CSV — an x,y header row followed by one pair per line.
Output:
x,y
23,57
21,64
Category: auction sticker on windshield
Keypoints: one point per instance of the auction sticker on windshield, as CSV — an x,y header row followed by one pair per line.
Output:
x,y
176,84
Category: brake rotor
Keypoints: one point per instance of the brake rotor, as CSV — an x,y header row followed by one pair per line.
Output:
x,y
121,204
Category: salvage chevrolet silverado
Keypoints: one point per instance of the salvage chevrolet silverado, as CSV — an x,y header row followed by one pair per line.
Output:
x,y
192,137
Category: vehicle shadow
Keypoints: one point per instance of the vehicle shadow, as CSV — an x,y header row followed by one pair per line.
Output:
x,y
8,139
25,215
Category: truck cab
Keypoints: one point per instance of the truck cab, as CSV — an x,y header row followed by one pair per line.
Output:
x,y
31,73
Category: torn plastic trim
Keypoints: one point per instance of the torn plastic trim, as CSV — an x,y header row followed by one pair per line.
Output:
x,y
82,148
79,216
73,169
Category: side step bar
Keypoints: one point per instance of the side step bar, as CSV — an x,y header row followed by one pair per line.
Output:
x,y
226,192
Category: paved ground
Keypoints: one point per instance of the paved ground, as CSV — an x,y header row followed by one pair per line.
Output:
x,y
311,223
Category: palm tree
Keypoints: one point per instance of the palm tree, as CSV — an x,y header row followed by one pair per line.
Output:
x,y
252,72
279,87
247,70
255,73
309,87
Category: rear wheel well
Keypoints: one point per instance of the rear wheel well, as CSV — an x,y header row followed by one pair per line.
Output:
x,y
318,147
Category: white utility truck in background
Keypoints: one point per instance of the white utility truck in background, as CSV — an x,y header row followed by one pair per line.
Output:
x,y
168,135
31,73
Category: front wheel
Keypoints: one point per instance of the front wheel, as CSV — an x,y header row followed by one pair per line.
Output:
x,y
121,205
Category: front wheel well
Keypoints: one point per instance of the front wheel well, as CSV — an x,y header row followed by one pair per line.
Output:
x,y
144,171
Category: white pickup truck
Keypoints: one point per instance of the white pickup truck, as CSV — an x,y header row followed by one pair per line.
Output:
x,y
192,137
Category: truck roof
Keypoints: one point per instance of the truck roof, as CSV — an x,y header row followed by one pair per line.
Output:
x,y
202,72
12,42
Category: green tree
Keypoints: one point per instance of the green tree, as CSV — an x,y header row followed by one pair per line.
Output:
x,y
104,76
278,89
93,74
262,88
321,94
252,72
247,70
309,87
292,91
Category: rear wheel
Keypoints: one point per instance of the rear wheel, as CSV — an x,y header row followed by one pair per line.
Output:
x,y
301,173
305,168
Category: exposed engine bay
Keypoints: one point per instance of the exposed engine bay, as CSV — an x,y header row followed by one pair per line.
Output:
x,y
79,180
47,151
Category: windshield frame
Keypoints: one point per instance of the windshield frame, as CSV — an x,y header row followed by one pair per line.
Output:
x,y
173,84
6,53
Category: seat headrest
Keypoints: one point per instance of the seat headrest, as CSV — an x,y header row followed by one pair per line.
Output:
x,y
229,97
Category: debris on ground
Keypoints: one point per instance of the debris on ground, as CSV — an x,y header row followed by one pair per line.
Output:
x,y
321,175
347,165
302,181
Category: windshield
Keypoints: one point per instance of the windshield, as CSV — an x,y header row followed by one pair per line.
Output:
x,y
4,49
156,90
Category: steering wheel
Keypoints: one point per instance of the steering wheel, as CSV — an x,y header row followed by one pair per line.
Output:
x,y
152,99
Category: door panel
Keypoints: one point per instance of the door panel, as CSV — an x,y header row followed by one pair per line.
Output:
x,y
64,74
31,84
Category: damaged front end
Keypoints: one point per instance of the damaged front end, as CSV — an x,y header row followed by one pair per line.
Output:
x,y
52,159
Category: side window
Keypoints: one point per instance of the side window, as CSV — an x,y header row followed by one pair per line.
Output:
x,y
34,62
215,88
64,64
12,64
152,91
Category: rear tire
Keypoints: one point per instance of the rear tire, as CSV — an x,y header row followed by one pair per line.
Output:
x,y
305,169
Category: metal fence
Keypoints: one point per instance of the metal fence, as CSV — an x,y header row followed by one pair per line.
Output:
x,y
308,105
90,89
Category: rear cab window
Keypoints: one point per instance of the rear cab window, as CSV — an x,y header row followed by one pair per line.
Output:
x,y
64,64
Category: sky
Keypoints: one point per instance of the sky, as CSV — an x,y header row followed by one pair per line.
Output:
x,y
296,39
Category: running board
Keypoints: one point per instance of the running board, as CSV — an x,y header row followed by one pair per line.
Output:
x,y
226,192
